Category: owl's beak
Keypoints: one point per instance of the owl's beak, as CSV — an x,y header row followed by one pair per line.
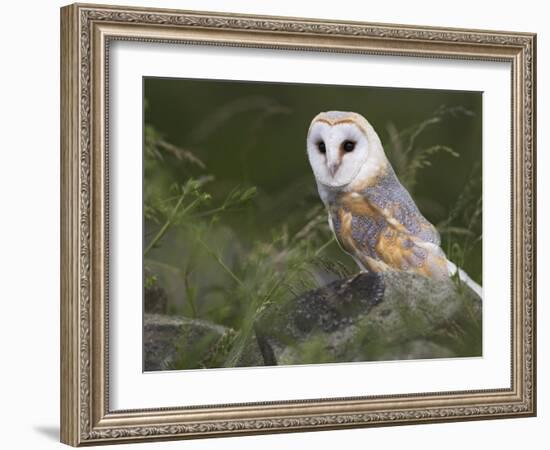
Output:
x,y
333,168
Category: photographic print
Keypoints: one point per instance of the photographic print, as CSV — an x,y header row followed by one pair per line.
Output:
x,y
291,224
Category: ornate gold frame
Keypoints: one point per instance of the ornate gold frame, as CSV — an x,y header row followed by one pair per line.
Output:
x,y
86,31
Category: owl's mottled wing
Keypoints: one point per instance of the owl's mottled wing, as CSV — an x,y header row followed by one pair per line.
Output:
x,y
390,197
383,229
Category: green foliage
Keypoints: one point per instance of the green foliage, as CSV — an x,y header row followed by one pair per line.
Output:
x,y
460,242
461,230
150,281
312,351
258,274
408,156
226,249
208,350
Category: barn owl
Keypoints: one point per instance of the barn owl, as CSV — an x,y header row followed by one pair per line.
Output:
x,y
371,214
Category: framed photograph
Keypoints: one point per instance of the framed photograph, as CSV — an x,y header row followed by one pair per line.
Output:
x,y
275,224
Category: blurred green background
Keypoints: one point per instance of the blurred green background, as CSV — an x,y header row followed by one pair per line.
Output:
x,y
230,202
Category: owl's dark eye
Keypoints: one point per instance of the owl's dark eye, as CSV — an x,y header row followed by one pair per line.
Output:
x,y
348,146
322,147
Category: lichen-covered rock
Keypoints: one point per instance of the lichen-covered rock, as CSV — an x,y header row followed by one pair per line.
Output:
x,y
321,312
171,342
374,318
368,317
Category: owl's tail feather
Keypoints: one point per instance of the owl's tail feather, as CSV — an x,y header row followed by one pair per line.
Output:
x,y
453,269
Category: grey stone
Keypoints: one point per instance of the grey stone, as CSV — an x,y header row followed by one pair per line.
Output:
x,y
374,318
171,342
368,317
